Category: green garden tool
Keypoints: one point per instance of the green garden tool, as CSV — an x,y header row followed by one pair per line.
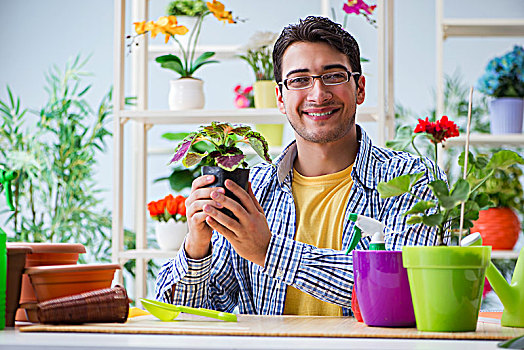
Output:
x,y
511,295
5,180
168,312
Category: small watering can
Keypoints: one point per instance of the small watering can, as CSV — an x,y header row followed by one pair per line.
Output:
x,y
511,295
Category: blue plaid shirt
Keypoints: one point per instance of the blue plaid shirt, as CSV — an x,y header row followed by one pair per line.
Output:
x,y
225,280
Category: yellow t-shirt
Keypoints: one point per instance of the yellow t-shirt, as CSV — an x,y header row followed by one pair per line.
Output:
x,y
320,206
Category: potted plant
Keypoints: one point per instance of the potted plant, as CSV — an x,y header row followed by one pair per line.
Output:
x,y
244,96
446,281
499,226
225,160
187,91
171,221
504,81
258,55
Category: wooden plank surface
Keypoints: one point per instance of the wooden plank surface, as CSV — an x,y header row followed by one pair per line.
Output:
x,y
275,326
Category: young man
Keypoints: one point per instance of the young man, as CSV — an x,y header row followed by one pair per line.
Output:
x,y
286,253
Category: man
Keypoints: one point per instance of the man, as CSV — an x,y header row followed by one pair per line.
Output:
x,y
286,253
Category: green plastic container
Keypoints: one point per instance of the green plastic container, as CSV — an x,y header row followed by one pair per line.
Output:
x,y
3,277
446,286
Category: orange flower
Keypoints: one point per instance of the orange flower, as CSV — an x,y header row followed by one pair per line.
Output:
x,y
181,205
156,208
218,10
140,27
169,26
171,205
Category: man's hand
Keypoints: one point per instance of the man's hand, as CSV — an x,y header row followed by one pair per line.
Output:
x,y
198,241
250,235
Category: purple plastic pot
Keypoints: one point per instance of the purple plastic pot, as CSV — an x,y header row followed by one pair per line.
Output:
x,y
382,288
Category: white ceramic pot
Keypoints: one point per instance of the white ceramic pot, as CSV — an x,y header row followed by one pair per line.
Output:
x,y
186,93
506,114
170,235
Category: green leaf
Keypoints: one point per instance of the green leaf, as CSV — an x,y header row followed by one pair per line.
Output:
x,y
415,219
459,193
432,220
398,185
172,62
402,139
420,207
483,200
439,188
202,59
174,136
259,144
503,159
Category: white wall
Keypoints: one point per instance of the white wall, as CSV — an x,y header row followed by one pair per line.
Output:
x,y
36,34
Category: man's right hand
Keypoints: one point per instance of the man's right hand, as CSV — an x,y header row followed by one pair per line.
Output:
x,y
198,241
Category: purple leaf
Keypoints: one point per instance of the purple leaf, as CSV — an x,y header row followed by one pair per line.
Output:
x,y
230,162
183,147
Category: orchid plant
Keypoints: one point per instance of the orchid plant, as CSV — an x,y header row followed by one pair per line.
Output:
x,y
359,8
259,52
223,137
168,25
444,212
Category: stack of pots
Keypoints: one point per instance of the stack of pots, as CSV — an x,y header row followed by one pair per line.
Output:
x,y
25,255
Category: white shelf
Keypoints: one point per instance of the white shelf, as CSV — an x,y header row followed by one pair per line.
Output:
x,y
222,52
241,115
488,140
504,254
473,27
147,254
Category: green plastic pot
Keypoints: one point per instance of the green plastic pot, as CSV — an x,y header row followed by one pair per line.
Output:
x,y
446,286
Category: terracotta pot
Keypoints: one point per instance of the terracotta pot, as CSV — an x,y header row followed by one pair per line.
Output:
x,y
50,282
44,254
499,228
16,256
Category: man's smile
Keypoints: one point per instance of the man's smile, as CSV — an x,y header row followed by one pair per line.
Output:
x,y
320,113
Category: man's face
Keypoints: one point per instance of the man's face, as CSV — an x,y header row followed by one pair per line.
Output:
x,y
321,113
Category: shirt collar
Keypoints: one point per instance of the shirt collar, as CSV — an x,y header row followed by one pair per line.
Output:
x,y
362,168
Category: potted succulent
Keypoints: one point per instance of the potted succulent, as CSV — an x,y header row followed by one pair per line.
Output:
x,y
171,221
187,91
225,160
499,226
446,281
504,81
258,55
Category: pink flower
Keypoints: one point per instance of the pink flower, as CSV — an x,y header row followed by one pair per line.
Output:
x,y
237,89
247,90
241,101
357,7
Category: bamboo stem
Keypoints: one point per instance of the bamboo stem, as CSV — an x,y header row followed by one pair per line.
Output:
x,y
466,158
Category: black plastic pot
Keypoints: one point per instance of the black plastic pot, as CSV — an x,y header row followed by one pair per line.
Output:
x,y
238,176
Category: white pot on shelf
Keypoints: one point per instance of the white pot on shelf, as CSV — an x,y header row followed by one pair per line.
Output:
x,y
506,115
170,234
186,93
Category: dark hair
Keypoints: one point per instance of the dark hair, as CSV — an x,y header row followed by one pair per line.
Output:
x,y
316,29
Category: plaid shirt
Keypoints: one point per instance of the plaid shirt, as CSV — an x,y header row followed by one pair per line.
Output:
x,y
225,280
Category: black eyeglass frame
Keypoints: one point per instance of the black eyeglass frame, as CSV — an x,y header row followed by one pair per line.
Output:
x,y
350,74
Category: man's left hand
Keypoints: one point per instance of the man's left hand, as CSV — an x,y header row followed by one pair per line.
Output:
x,y
250,235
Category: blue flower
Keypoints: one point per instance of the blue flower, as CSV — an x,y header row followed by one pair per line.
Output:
x,y
504,76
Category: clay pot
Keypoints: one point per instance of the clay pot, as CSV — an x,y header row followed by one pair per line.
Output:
x,y
50,282
499,228
16,256
44,254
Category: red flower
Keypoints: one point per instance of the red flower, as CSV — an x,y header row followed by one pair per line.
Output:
x,y
181,207
171,205
439,131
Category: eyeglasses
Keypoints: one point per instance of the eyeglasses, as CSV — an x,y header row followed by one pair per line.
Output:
x,y
329,79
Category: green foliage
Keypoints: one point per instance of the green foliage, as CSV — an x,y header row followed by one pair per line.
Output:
x,y
186,8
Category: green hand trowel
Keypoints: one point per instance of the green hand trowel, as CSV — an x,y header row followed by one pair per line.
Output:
x,y
511,295
168,312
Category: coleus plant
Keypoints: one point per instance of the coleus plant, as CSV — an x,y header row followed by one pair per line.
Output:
x,y
444,212
223,137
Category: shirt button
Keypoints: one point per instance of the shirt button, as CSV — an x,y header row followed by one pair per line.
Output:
x,y
280,273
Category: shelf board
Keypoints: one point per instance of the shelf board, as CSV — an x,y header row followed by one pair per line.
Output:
x,y
241,115
222,52
472,27
488,140
147,254
505,254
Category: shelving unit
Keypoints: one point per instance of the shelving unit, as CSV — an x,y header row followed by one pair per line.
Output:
x,y
141,119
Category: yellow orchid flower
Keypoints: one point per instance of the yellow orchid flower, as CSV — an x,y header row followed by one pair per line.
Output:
x,y
218,10
153,28
140,27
